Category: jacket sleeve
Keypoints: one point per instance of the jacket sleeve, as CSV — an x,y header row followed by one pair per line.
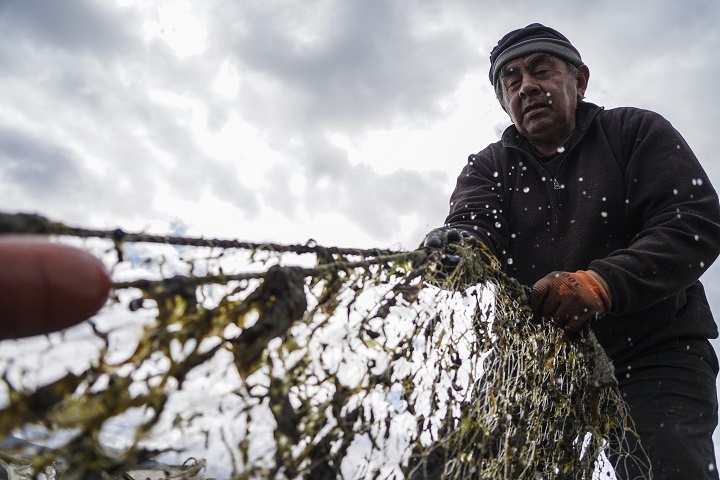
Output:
x,y
672,213
476,204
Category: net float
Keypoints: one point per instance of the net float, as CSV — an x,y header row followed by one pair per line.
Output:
x,y
46,286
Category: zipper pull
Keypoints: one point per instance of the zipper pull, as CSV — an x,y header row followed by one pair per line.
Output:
x,y
556,184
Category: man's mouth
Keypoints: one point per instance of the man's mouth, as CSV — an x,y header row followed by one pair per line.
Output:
x,y
532,107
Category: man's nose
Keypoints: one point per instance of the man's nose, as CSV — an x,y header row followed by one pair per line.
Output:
x,y
529,86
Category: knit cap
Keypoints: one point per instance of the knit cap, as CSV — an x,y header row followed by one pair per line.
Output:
x,y
531,39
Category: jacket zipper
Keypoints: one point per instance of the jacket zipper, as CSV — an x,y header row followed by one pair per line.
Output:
x,y
558,187
558,196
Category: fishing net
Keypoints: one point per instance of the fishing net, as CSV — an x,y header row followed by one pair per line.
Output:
x,y
238,360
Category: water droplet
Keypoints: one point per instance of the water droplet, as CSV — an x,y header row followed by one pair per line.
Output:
x,y
603,214
697,237
498,225
495,174
675,191
526,189
711,467
509,261
580,179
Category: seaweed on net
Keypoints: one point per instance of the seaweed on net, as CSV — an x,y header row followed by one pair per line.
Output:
x,y
329,363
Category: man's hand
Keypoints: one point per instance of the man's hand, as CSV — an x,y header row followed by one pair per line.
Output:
x,y
570,299
442,238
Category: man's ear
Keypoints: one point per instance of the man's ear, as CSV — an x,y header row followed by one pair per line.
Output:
x,y
583,76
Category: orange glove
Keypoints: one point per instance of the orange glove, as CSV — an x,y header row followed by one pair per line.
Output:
x,y
570,299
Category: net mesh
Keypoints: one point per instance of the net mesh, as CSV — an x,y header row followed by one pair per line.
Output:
x,y
238,360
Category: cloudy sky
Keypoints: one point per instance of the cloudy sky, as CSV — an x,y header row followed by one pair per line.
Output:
x,y
345,121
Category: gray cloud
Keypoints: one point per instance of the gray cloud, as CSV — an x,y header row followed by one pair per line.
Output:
x,y
347,67
81,92
365,66
77,25
31,164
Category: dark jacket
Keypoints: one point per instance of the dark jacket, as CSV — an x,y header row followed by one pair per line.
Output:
x,y
626,197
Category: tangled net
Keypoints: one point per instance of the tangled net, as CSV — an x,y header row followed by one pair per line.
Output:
x,y
302,361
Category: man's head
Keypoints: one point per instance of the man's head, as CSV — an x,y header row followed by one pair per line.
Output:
x,y
539,78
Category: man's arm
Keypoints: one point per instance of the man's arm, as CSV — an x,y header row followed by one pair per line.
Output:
x,y
477,202
674,209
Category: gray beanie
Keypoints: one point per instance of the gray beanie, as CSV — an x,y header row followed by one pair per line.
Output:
x,y
531,39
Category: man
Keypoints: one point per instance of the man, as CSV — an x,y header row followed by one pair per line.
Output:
x,y
611,218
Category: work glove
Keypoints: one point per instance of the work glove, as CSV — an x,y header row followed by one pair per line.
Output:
x,y
445,238
570,299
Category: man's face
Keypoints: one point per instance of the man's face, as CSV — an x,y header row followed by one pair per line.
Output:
x,y
540,94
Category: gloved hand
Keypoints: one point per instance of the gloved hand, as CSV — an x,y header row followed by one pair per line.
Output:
x,y
442,238
570,299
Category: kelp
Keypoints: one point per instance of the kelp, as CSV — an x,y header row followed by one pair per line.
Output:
x,y
304,361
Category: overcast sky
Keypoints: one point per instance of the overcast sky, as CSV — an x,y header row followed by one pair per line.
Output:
x,y
345,121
